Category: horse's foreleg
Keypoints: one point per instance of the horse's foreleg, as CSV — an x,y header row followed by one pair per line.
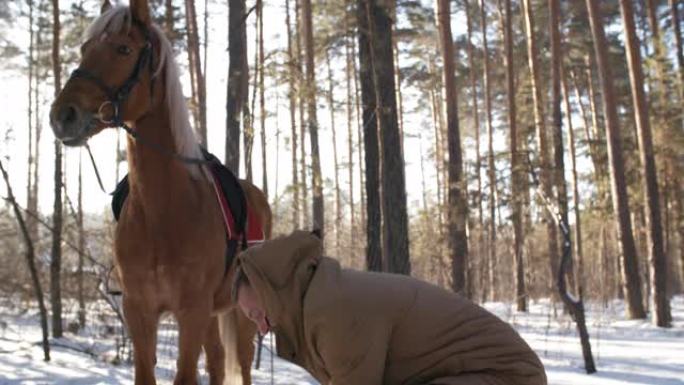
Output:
x,y
192,329
142,320
213,349
245,346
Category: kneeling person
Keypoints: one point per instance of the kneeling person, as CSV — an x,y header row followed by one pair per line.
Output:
x,y
350,327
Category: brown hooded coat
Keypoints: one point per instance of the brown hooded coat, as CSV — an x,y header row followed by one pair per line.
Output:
x,y
349,327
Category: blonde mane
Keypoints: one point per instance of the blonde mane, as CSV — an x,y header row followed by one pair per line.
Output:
x,y
118,19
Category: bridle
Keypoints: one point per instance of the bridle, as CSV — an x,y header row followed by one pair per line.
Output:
x,y
116,98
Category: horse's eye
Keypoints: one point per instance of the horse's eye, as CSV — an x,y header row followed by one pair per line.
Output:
x,y
123,50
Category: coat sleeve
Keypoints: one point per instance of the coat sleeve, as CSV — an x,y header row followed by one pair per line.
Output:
x,y
353,351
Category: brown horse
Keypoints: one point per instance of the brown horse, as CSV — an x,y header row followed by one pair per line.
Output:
x,y
170,239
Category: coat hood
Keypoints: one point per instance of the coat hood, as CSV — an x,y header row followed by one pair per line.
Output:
x,y
280,271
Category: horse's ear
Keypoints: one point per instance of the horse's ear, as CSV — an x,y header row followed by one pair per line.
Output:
x,y
140,11
106,6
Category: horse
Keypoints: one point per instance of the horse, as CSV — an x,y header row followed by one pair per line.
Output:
x,y
170,240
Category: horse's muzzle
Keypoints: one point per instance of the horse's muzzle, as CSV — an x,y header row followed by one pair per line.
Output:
x,y
70,124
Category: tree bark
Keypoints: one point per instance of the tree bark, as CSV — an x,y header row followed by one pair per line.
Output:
x,y
516,171
316,176
540,125
632,286
656,251
31,261
476,118
237,81
395,220
169,20
370,143
457,206
56,257
292,96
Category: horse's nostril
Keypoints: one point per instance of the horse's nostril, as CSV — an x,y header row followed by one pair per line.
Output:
x,y
68,115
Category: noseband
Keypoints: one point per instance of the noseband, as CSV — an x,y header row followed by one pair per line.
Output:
x,y
116,97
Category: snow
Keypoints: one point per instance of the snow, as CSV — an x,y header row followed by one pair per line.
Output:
x,y
626,351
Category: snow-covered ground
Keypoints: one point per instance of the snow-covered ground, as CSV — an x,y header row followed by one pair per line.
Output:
x,y
626,352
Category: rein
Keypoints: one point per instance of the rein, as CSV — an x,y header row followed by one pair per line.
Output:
x,y
116,97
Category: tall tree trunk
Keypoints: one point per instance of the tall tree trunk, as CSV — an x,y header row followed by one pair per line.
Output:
x,y
336,164
31,223
276,199
423,184
579,254
350,133
81,247
31,261
238,73
196,76
516,170
248,110
656,252
262,100
476,118
302,120
370,142
169,20
557,116
437,121
632,285
316,176
292,96
38,127
359,134
397,80
540,125
491,171
395,219
457,205
56,257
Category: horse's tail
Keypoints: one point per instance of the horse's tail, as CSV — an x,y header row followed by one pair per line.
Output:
x,y
228,326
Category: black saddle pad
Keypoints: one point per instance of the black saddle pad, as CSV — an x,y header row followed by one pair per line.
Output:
x,y
229,183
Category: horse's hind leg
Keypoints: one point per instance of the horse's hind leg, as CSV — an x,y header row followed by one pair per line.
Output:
x,y
193,323
213,349
245,346
142,321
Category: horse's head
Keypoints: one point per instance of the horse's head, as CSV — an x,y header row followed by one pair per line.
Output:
x,y
113,82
